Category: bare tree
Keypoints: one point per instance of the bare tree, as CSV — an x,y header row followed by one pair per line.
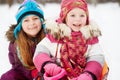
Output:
x,y
2,1
9,2
119,2
94,2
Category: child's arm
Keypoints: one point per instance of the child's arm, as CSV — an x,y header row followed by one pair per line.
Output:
x,y
51,70
43,60
13,58
95,59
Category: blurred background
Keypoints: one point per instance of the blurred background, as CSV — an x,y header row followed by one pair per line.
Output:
x,y
105,12
95,2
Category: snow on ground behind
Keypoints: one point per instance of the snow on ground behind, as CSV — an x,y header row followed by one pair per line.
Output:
x,y
106,15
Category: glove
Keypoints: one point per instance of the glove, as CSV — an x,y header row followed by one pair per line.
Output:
x,y
57,30
52,69
85,76
56,77
34,73
74,79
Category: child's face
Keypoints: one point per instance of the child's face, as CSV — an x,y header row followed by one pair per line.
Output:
x,y
76,18
31,25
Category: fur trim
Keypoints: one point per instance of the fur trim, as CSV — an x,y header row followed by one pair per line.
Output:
x,y
62,30
57,30
10,34
65,30
91,30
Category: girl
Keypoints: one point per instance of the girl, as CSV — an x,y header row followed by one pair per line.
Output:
x,y
76,57
23,37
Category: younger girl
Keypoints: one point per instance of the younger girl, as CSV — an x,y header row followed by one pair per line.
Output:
x,y
23,37
76,57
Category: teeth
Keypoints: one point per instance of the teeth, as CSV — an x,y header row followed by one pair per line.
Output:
x,y
76,25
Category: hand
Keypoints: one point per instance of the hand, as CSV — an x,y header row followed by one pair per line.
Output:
x,y
85,76
57,30
52,69
74,78
34,73
56,77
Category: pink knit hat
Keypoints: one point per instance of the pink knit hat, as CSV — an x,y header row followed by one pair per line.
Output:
x,y
67,5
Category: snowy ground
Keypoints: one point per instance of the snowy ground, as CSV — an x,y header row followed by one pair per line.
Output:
x,y
106,15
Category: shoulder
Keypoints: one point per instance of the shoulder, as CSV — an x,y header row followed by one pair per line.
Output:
x,y
12,46
47,41
93,40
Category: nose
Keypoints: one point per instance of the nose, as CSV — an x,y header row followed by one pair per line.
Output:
x,y
78,18
31,22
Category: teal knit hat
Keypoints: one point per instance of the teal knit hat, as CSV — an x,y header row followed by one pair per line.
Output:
x,y
26,8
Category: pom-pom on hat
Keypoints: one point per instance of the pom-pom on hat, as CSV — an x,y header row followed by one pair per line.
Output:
x,y
26,8
29,7
67,5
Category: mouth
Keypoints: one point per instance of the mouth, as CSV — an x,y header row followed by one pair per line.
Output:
x,y
76,25
32,28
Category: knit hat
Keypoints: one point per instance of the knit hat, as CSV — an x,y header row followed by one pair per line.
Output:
x,y
67,5
26,8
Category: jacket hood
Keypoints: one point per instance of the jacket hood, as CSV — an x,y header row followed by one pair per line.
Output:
x,y
62,30
91,30
10,33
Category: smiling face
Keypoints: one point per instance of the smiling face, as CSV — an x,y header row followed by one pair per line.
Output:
x,y
31,25
76,18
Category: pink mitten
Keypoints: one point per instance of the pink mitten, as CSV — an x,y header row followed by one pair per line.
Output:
x,y
52,69
85,76
56,77
74,79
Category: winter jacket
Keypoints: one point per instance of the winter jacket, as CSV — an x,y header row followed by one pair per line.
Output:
x,y
18,71
93,54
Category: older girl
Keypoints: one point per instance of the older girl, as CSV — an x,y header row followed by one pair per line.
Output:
x,y
23,37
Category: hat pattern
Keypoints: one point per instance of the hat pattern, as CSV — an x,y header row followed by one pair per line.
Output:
x,y
29,7
67,5
26,8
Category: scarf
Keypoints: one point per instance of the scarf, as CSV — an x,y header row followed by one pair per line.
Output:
x,y
72,54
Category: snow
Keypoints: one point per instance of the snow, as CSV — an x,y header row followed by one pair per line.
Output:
x,y
106,15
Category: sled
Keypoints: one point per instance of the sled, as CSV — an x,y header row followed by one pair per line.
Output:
x,y
105,72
